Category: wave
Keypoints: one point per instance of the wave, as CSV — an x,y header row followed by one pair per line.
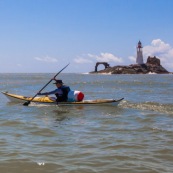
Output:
x,y
151,106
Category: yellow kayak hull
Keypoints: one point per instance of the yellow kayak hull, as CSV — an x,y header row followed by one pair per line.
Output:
x,y
49,100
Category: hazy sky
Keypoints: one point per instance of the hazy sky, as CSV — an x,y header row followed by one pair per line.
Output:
x,y
45,35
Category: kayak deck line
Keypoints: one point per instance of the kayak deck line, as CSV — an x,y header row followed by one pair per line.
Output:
x,y
49,100
19,98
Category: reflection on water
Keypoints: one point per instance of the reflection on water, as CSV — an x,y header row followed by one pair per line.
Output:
x,y
60,114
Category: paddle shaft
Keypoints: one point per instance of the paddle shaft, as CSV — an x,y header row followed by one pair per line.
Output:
x,y
28,102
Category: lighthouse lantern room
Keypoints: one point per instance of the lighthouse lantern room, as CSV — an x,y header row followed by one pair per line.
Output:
x,y
139,59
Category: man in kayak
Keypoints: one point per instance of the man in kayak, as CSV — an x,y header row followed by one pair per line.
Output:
x,y
61,92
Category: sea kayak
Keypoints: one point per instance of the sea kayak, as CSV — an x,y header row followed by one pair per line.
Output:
x,y
50,100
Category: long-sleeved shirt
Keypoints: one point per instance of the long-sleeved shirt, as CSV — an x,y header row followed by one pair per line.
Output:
x,y
61,93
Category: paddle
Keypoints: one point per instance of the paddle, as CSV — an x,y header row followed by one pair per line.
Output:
x,y
28,102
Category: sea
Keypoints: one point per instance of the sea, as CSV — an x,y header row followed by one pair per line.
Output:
x,y
134,137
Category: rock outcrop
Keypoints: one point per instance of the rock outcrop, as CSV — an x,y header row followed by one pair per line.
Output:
x,y
151,66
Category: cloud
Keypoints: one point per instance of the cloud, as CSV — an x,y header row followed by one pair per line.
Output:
x,y
103,57
19,65
46,59
157,48
106,57
161,50
82,60
132,59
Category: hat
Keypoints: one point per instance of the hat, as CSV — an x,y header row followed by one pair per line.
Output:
x,y
58,81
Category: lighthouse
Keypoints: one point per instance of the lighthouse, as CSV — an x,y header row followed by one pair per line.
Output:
x,y
139,59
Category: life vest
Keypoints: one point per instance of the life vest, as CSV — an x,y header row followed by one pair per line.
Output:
x,y
64,96
75,96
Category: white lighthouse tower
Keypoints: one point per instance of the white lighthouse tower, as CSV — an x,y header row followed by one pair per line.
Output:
x,y
139,59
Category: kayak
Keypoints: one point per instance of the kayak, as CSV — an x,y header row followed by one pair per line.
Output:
x,y
51,100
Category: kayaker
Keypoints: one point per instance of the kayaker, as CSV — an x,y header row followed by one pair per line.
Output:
x,y
61,92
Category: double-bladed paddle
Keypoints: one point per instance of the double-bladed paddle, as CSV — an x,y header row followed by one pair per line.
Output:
x,y
28,102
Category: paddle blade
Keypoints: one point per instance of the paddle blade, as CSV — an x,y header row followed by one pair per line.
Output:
x,y
26,103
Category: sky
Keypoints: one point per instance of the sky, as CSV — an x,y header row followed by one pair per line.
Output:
x,y
42,36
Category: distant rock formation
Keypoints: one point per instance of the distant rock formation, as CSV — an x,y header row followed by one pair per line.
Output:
x,y
104,63
151,66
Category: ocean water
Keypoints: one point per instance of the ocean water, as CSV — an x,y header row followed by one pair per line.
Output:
x,y
134,137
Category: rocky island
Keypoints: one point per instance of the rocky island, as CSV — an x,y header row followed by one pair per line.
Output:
x,y
152,65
